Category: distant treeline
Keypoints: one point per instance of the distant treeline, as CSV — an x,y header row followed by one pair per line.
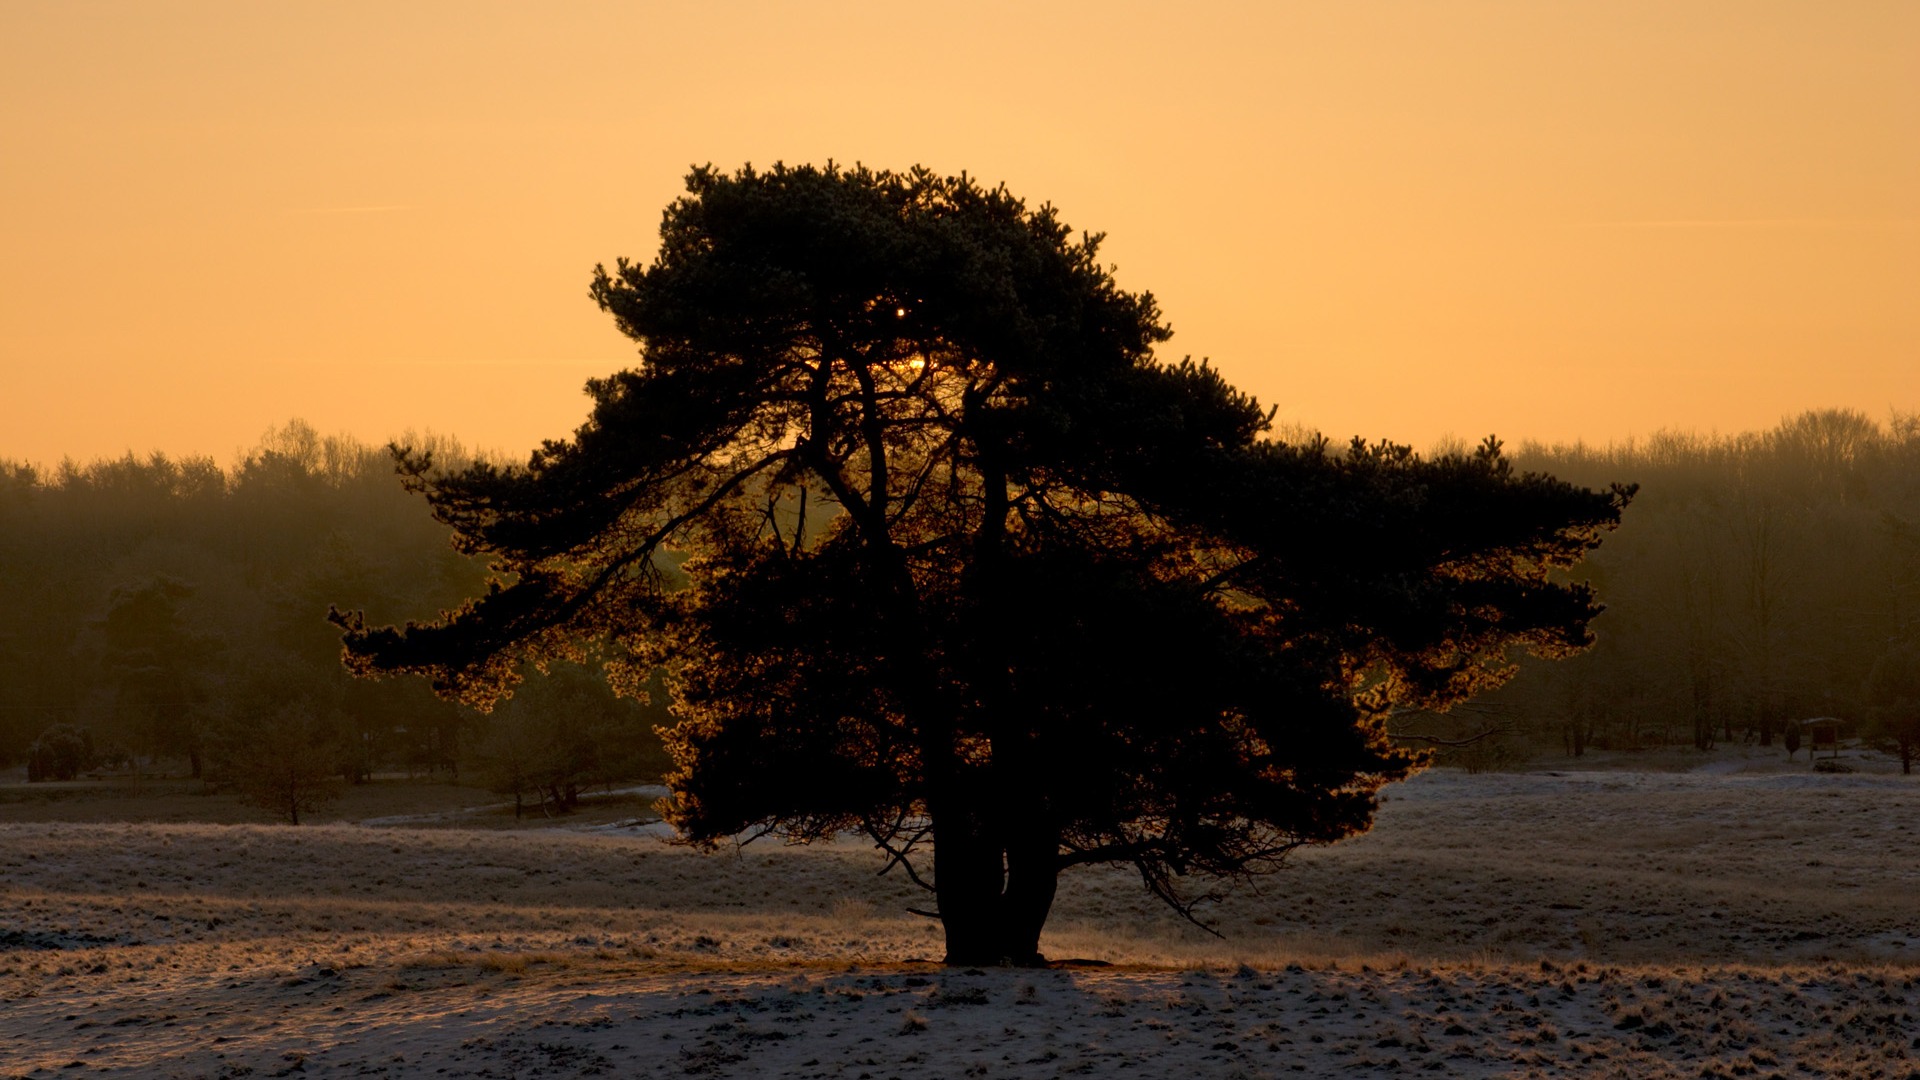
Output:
x,y
160,612
167,612
1756,581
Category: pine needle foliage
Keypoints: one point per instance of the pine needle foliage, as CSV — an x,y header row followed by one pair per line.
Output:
x,y
935,547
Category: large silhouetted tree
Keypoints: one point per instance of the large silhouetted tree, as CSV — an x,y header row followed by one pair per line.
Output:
x,y
965,564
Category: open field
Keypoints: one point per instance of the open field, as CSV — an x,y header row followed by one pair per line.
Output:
x,y
387,800
1689,917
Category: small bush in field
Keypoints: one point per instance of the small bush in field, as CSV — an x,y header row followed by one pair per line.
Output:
x,y
60,753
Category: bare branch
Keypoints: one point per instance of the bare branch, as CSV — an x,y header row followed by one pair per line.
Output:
x,y
898,856
1435,740
767,830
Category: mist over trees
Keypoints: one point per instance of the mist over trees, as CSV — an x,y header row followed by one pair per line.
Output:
x,y
154,605
1758,580
166,614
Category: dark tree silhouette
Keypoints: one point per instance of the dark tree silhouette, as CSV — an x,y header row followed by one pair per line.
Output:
x,y
288,762
1893,702
60,753
160,668
966,565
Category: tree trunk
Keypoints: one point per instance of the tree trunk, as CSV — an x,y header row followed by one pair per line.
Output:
x,y
995,874
1702,709
993,911
1033,875
1574,734
967,880
993,895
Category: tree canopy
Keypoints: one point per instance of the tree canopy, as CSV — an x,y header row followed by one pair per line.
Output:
x,y
933,546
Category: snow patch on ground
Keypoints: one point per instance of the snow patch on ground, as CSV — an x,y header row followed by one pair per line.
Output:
x,y
1566,922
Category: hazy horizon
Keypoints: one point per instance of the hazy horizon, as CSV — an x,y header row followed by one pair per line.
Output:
x,y
1396,220
1283,429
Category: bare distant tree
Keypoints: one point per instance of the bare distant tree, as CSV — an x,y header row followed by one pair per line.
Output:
x,y
1893,703
289,764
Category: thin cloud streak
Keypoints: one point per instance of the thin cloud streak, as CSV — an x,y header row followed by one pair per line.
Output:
x,y
352,209
409,361
1753,223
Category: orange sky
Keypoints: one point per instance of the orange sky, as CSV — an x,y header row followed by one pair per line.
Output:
x,y
1405,220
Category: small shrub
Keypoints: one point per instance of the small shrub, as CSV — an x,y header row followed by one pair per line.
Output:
x,y
61,752
846,909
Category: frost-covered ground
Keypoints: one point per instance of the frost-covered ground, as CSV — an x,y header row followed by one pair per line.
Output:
x,y
1740,919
